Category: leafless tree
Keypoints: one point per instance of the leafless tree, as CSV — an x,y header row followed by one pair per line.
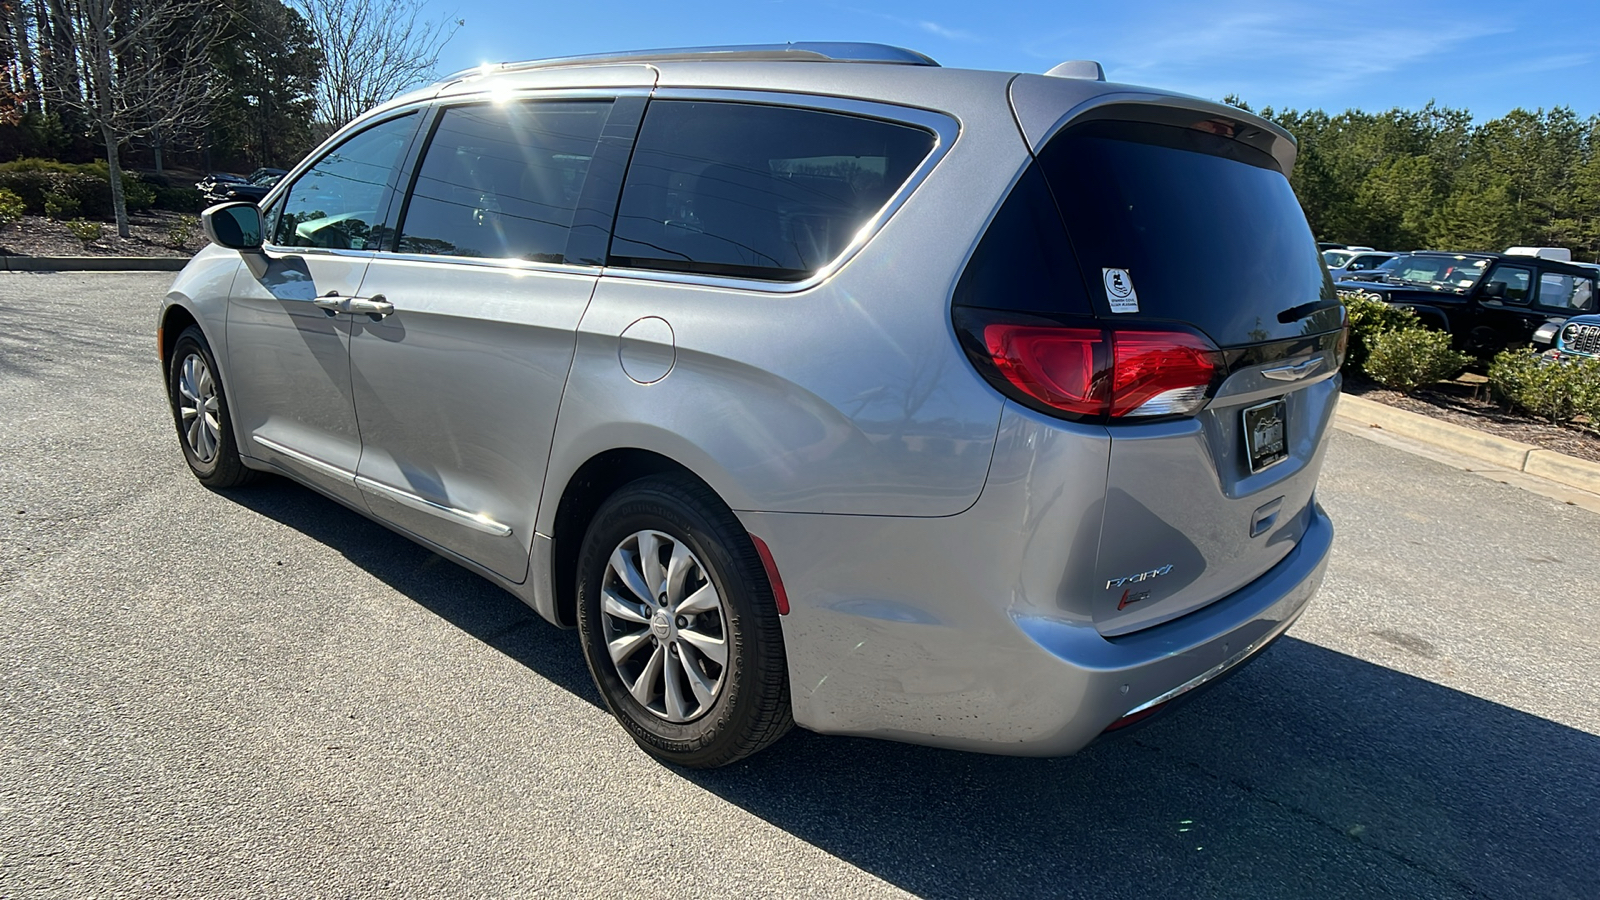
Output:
x,y
145,69
372,50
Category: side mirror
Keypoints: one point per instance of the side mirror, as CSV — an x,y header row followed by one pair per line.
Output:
x,y
236,226
1495,289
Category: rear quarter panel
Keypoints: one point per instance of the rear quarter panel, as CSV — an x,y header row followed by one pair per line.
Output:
x,y
849,397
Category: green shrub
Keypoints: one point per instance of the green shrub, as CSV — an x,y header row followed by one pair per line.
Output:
x,y
30,186
12,208
1410,358
87,183
58,206
1370,317
34,164
180,232
85,231
179,199
1555,391
137,194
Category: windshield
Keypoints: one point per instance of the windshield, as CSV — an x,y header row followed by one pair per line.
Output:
x,y
1333,259
1454,272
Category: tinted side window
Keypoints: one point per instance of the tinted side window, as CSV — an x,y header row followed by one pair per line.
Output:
x,y
1024,262
1565,291
1516,281
503,180
340,201
756,191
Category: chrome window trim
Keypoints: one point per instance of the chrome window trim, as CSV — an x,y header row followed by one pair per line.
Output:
x,y
945,128
488,262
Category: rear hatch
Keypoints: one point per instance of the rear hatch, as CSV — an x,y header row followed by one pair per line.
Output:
x,y
1192,316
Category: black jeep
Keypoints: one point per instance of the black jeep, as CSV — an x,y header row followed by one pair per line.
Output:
x,y
1486,301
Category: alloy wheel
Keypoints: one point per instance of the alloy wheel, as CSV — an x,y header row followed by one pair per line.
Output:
x,y
198,408
664,625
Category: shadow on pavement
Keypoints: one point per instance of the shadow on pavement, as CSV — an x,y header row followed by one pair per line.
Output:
x,y
473,604
1309,774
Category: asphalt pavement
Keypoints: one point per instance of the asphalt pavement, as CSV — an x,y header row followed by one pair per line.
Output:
x,y
257,693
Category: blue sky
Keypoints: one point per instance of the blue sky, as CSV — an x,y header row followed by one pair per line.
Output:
x,y
1485,56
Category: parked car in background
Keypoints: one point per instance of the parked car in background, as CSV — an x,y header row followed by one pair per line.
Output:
x,y
1344,263
213,182
1378,272
1486,301
661,343
250,189
1577,338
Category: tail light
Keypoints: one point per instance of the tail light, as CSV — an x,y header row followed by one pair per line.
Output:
x,y
1097,372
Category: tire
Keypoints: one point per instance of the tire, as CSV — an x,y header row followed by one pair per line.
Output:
x,y
200,412
719,712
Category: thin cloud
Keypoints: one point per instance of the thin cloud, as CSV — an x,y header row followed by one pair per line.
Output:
x,y
1545,64
949,34
1273,50
933,28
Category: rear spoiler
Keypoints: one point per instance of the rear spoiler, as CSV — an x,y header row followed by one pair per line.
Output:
x,y
1044,105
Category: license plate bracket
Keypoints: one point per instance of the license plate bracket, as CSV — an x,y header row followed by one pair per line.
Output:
x,y
1266,437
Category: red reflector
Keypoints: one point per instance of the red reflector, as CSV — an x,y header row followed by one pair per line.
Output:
x,y
1063,367
779,595
1139,716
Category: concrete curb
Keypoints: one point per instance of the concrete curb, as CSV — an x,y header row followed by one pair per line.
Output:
x,y
93,263
1515,455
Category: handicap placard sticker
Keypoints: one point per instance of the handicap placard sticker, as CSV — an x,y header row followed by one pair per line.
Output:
x,y
1119,290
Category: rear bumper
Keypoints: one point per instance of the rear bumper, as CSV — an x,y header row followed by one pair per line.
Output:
x,y
1130,676
883,644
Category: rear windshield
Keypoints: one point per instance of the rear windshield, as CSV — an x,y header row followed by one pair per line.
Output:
x,y
1177,224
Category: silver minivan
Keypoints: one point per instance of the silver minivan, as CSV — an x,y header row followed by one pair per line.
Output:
x,y
812,384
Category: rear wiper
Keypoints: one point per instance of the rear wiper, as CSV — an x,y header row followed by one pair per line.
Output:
x,y
1304,310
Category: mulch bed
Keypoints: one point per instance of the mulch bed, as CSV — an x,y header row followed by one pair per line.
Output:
x,y
1466,401
152,236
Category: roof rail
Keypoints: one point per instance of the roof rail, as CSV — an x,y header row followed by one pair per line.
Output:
x,y
801,51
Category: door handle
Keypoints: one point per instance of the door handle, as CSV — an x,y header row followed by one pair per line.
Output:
x,y
375,306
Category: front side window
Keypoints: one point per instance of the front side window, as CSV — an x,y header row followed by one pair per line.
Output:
x,y
1516,281
339,203
1566,292
754,191
503,180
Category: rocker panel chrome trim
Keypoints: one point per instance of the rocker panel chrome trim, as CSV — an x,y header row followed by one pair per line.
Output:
x,y
475,521
328,469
